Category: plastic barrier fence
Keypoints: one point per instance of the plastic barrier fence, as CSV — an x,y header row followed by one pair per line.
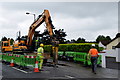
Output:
x,y
77,56
4,57
70,54
0,56
80,57
29,60
18,59
60,54
22,60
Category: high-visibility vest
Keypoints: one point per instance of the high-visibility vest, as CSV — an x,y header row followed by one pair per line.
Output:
x,y
40,51
93,52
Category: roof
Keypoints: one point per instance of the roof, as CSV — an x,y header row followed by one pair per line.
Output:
x,y
105,42
118,45
117,36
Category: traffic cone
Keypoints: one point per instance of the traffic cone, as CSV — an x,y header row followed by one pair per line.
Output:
x,y
36,69
12,64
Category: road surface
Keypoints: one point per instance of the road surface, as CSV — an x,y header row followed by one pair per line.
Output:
x,y
65,70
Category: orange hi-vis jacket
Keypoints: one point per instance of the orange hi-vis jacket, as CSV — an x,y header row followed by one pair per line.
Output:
x,y
93,52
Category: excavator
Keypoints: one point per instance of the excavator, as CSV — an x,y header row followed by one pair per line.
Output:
x,y
5,46
28,46
44,17
19,44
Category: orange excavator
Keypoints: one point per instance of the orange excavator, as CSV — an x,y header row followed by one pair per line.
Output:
x,y
23,46
5,46
26,46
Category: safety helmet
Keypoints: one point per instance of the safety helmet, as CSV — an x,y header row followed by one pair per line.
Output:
x,y
41,45
93,45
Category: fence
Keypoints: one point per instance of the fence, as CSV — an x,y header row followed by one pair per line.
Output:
x,y
82,57
21,60
0,56
77,56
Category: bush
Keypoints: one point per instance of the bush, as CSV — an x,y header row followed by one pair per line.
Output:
x,y
75,47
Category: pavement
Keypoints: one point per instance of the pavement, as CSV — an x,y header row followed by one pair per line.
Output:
x,y
65,70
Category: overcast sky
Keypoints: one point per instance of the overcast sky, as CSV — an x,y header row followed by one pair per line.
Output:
x,y
78,19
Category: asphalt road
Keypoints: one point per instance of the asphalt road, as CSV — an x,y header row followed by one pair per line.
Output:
x,y
65,70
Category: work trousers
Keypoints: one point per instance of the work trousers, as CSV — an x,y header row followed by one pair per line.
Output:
x,y
40,61
55,55
94,63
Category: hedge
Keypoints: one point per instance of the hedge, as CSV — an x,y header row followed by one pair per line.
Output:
x,y
76,47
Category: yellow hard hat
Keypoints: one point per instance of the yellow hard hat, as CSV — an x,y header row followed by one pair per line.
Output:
x,y
41,45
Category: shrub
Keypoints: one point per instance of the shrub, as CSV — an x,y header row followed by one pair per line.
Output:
x,y
76,47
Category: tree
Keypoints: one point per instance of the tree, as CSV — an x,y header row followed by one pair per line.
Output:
x,y
60,35
101,38
11,41
108,38
67,41
73,40
79,40
4,39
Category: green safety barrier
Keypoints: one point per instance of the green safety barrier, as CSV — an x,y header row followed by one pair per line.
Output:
x,y
9,57
78,56
18,59
88,62
4,56
22,60
29,60
0,56
60,53
70,54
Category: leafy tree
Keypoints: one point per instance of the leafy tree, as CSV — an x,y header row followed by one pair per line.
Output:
x,y
46,39
4,39
60,35
67,41
73,40
101,38
108,38
79,40
11,41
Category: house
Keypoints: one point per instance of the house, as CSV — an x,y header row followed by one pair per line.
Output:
x,y
103,43
118,45
114,42
113,48
118,52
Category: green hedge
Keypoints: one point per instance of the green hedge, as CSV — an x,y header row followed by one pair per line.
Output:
x,y
76,47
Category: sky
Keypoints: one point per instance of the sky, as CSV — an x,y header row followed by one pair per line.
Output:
x,y
87,20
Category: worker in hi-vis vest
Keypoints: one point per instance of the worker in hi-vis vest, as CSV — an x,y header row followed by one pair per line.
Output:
x,y
40,52
55,45
93,53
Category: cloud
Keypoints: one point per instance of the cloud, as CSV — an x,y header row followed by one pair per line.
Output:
x,y
78,19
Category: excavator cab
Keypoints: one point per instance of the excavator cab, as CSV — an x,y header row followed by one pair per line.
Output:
x,y
6,47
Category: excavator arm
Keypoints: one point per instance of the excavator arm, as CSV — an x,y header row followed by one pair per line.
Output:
x,y
45,17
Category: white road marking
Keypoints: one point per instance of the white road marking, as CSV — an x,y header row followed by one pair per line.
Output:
x,y
20,70
69,76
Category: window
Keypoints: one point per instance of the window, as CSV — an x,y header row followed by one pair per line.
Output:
x,y
113,47
6,44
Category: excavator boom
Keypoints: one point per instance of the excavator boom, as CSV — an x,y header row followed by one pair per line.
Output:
x,y
45,17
